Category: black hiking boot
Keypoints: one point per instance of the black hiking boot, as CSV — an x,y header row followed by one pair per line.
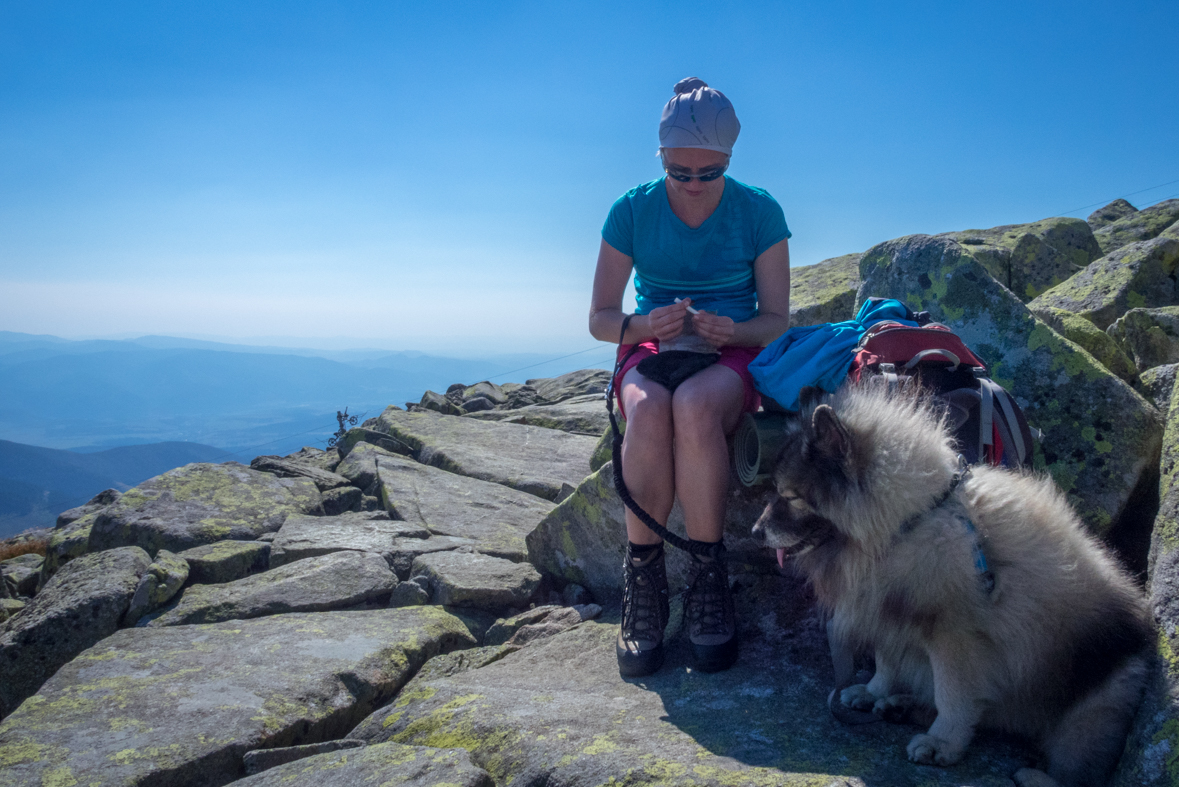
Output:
x,y
644,614
712,620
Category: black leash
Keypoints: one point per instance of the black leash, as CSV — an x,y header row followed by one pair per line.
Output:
x,y
699,548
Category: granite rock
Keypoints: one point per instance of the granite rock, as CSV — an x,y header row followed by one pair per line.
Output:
x,y
1149,336
496,517
334,581
1095,341
200,504
83,603
382,765
1138,226
467,579
825,291
225,561
181,705
1115,210
304,536
1100,436
96,503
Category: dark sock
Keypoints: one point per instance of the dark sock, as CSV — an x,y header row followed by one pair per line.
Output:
x,y
640,552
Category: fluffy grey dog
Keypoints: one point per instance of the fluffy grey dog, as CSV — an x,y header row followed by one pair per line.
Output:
x,y
980,593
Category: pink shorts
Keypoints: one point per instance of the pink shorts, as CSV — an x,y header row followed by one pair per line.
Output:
x,y
736,358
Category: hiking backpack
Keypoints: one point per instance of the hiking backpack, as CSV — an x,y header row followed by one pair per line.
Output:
x,y
987,422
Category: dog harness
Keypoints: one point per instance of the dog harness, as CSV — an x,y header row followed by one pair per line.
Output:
x,y
986,576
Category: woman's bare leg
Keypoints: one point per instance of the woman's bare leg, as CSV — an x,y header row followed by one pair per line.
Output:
x,y
648,460
705,408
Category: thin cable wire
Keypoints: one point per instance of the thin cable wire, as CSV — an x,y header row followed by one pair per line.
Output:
x,y
1131,194
542,363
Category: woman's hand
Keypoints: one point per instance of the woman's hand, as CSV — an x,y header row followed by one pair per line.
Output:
x,y
667,322
718,330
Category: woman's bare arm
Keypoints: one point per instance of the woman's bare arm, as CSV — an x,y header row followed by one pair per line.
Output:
x,y
605,318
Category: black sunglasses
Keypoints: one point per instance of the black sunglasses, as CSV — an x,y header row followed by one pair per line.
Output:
x,y
703,177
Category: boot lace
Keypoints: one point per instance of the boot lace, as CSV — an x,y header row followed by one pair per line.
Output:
x,y
710,603
643,606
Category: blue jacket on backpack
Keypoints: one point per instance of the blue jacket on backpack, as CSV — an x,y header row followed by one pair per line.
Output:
x,y
818,355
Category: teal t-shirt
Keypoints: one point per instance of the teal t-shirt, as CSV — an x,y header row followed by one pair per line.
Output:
x,y
712,264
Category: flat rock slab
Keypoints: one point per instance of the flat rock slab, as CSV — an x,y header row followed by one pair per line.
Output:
x,y
292,468
556,713
199,504
225,561
544,462
360,465
180,706
310,536
334,581
468,579
584,415
382,765
80,605
406,550
497,518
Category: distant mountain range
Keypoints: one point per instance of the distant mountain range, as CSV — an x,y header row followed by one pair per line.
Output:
x,y
37,484
174,399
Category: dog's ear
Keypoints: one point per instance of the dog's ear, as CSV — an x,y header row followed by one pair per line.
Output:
x,y
830,437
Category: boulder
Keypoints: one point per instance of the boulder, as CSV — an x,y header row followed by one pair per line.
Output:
x,y
82,604
466,579
584,539
181,705
1137,275
377,766
290,468
497,518
264,759
407,550
362,435
542,462
1149,336
310,536
604,450
9,607
163,580
553,390
96,503
360,465
22,573
200,504
1155,738
1115,210
556,713
1097,342
538,623
335,581
225,561
1157,384
825,291
344,498
489,391
1031,258
317,457
1100,435
1138,226
585,415
432,400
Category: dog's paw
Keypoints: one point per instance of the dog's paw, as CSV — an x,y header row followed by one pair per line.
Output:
x,y
858,697
928,750
895,708
1030,777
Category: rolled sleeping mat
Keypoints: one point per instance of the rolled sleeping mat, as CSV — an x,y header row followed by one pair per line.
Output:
x,y
756,446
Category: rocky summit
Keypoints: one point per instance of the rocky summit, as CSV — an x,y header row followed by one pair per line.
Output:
x,y
435,600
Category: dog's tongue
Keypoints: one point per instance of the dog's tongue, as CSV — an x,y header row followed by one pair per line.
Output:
x,y
781,557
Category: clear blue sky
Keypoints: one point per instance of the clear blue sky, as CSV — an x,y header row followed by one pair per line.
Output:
x,y
434,176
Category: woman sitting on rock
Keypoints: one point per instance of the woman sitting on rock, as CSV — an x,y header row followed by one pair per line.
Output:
x,y
712,276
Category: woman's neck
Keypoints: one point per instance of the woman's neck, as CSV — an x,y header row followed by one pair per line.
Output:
x,y
694,212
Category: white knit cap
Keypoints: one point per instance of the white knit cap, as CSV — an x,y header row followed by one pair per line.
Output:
x,y
698,117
